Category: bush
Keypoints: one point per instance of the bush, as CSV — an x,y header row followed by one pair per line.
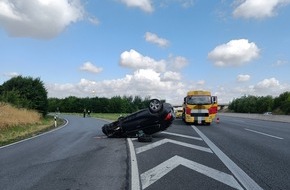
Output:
x,y
25,92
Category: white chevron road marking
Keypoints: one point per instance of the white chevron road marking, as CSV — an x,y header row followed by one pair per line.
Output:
x,y
151,176
184,136
163,141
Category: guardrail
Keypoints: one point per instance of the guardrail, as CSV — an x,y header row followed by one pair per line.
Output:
x,y
279,118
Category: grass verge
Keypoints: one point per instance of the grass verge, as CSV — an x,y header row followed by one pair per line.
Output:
x,y
108,116
20,130
16,133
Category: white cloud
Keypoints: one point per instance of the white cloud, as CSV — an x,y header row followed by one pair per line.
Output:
x,y
200,83
63,90
183,3
171,76
270,86
153,38
11,75
149,78
177,63
280,63
94,20
38,18
243,78
187,3
135,60
145,5
143,82
268,83
258,9
234,53
89,67
147,82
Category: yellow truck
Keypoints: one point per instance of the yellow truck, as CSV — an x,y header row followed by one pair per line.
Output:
x,y
199,107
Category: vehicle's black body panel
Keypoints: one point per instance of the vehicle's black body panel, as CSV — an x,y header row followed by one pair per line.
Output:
x,y
157,117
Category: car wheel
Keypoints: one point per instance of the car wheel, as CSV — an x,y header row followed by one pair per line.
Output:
x,y
155,105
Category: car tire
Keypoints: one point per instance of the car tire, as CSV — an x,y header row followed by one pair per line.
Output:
x,y
145,138
155,105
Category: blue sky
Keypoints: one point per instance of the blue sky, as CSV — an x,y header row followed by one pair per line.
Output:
x,y
156,48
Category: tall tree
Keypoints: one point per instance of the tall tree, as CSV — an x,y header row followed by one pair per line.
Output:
x,y
26,92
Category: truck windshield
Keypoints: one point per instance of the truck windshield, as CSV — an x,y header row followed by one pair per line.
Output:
x,y
200,100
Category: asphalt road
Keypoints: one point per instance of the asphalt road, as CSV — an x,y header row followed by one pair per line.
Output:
x,y
260,148
76,156
237,153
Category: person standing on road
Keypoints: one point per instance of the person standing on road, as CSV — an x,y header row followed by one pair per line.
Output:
x,y
84,112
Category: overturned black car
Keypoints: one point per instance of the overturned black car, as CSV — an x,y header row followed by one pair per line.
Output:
x,y
143,123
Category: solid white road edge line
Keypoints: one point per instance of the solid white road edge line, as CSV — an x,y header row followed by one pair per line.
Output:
x,y
35,136
241,176
135,181
264,134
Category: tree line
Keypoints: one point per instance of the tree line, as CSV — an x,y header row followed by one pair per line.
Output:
x,y
261,104
116,104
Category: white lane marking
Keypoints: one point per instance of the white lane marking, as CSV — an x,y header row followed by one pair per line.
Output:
x,y
35,136
184,136
135,181
151,176
242,177
264,134
163,141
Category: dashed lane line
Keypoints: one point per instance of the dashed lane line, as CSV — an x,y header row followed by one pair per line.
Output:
x,y
265,134
241,176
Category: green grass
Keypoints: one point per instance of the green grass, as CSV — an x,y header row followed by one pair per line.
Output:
x,y
108,116
20,132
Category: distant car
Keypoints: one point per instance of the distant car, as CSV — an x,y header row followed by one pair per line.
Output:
x,y
143,123
178,113
267,113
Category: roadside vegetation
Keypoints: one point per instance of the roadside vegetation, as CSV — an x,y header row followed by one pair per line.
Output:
x,y
17,124
23,109
108,116
254,104
117,104
25,92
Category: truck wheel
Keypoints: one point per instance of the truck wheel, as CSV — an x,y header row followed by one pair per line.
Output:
x,y
155,105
